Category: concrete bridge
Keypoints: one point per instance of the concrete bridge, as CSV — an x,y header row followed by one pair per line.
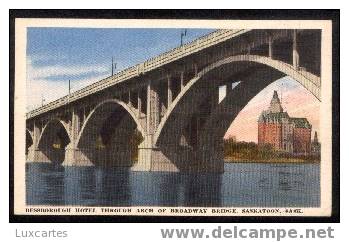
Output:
x,y
172,100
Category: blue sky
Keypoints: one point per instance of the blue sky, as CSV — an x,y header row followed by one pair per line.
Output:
x,y
83,55
95,47
89,46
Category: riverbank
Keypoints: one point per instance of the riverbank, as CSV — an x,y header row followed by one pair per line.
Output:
x,y
250,152
271,160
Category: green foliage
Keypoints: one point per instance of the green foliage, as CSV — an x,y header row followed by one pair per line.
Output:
x,y
250,151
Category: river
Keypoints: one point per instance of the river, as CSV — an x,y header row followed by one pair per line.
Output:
x,y
241,185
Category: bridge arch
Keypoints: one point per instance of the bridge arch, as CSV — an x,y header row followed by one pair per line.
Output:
x,y
53,139
251,82
308,80
106,134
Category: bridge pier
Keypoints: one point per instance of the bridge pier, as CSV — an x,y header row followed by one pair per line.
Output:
x,y
35,155
151,158
210,159
179,159
75,157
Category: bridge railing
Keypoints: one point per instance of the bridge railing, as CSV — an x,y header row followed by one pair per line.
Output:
x,y
151,64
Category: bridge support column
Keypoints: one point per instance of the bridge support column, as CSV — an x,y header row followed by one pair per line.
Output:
x,y
169,91
73,156
295,55
153,115
195,69
182,80
153,108
210,157
129,98
34,153
144,155
150,158
139,103
270,47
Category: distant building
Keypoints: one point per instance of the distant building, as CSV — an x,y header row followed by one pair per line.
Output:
x,y
315,146
282,132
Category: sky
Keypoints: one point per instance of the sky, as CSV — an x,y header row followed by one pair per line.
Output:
x,y
83,56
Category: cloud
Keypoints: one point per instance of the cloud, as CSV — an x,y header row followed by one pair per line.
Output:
x,y
43,59
52,71
43,82
50,90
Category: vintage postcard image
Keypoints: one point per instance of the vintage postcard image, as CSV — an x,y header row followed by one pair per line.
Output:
x,y
173,117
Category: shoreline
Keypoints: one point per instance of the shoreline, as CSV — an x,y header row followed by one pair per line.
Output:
x,y
272,161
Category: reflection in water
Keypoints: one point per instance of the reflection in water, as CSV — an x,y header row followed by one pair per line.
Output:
x,y
112,187
52,189
203,190
242,184
96,186
79,185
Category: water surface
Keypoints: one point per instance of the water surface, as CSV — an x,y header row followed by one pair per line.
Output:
x,y
242,184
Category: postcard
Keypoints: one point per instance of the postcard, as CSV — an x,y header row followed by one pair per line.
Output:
x,y
156,117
